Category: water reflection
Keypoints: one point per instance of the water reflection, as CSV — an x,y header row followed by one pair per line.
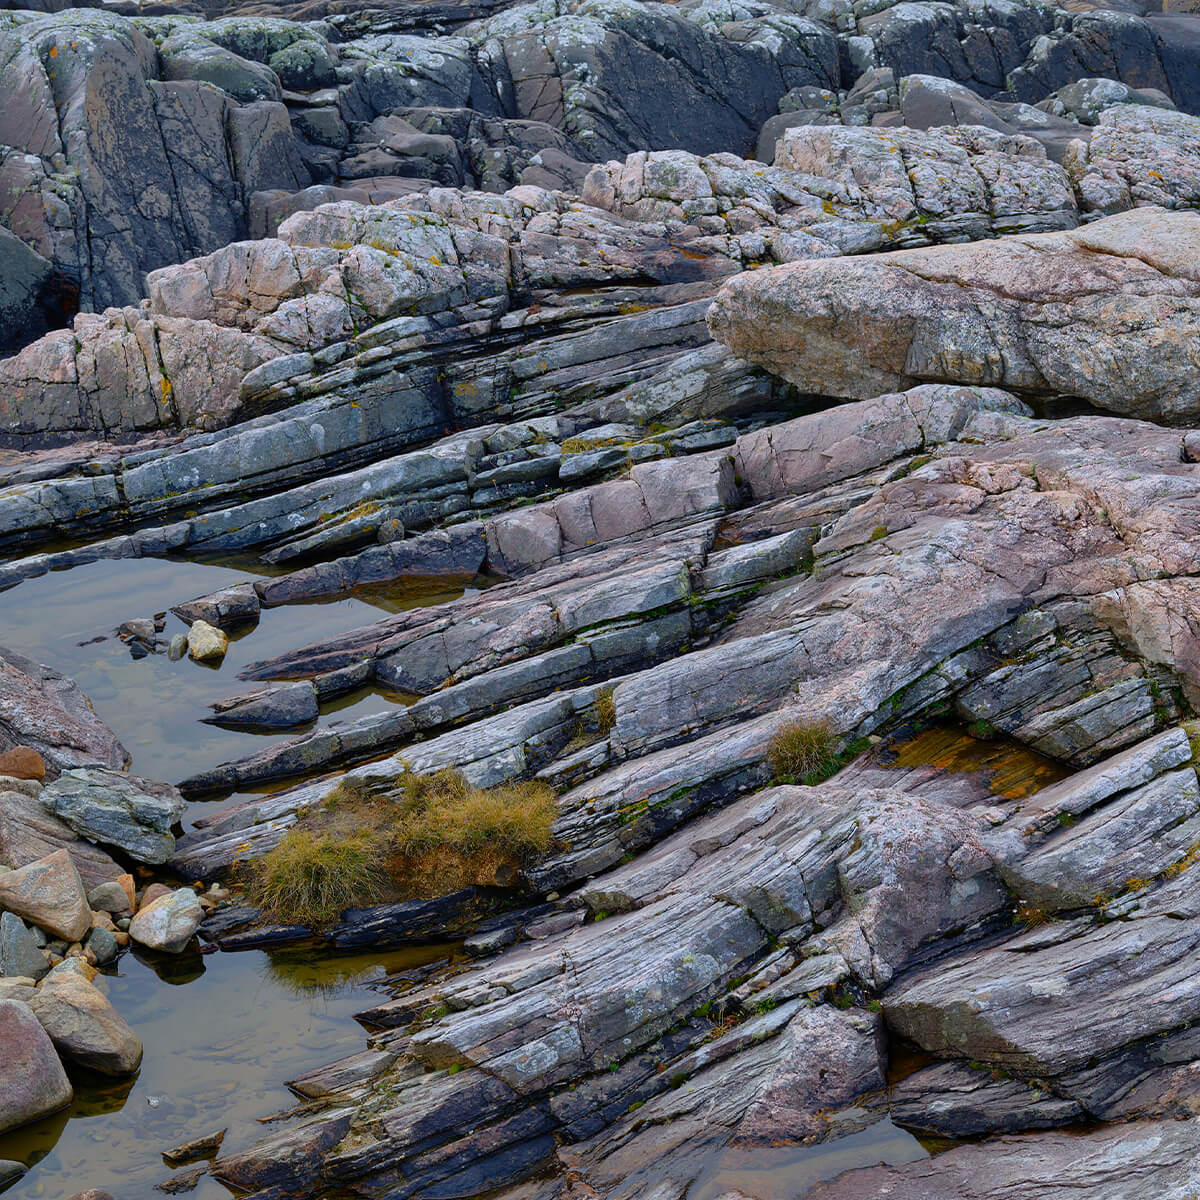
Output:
x,y
216,1054
788,1172
68,620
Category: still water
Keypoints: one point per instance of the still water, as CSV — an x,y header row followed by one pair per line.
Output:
x,y
68,619
221,1034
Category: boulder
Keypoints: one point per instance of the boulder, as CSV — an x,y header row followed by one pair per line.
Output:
x,y
35,1084
168,922
84,1026
50,894
135,815
206,643
1108,313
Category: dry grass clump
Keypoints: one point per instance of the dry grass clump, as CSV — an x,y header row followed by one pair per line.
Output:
x,y
311,877
450,834
606,710
803,752
425,836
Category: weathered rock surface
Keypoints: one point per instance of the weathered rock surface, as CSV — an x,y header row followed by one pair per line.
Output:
x,y
50,894
135,815
1105,313
47,712
1041,1166
422,291
35,1084
29,833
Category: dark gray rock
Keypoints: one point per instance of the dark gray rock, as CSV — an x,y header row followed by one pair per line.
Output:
x,y
135,815
19,952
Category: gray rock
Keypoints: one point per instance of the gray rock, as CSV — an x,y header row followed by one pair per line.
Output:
x,y
225,609
136,815
109,898
279,707
35,1083
1040,1167
103,945
19,953
954,1100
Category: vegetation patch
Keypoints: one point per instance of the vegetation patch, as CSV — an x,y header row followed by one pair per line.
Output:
x,y
424,836
310,878
808,752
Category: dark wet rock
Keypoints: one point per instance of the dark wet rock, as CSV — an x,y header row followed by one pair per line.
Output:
x,y
204,1146
132,814
280,707
227,608
35,1083
954,1100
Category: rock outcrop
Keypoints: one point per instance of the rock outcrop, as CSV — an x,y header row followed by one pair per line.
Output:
x,y
768,428
1106,313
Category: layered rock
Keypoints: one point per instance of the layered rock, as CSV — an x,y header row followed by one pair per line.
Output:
x,y
1104,313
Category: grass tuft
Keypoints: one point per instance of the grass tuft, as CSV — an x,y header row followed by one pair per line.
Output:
x,y
311,878
803,752
606,710
425,836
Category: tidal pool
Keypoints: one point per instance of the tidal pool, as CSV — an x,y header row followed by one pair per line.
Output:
x,y
222,1032
68,619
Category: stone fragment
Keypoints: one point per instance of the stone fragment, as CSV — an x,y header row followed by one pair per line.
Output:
x,y
206,643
